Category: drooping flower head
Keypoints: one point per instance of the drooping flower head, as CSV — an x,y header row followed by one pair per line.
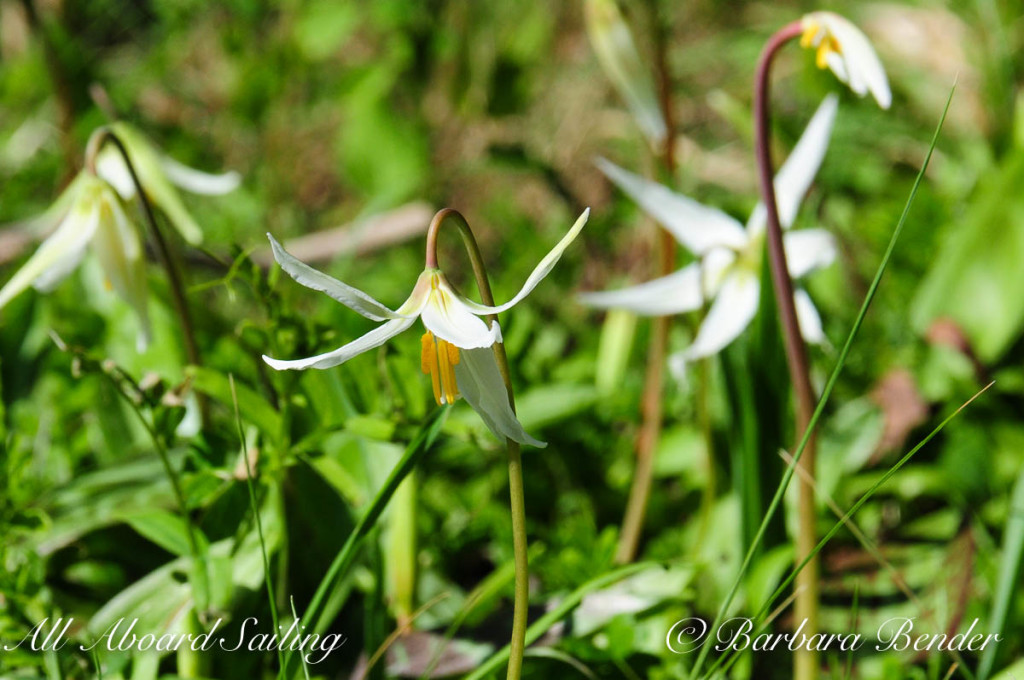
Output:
x,y
456,349
729,255
844,49
91,214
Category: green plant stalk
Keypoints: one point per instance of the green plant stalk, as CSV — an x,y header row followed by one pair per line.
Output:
x,y
254,506
654,377
826,393
806,663
517,494
314,619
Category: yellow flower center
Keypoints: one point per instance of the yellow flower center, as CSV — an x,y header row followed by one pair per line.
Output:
x,y
438,360
826,45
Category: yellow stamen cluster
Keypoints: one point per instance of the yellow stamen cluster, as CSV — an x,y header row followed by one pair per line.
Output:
x,y
438,360
826,44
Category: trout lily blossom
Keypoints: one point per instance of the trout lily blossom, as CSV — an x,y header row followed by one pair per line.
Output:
x,y
457,349
94,216
728,269
846,51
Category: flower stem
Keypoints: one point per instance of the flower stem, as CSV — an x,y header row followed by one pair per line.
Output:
x,y
650,428
96,142
517,494
807,585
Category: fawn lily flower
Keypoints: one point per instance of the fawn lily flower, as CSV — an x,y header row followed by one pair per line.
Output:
x,y
93,215
158,174
844,49
456,348
730,255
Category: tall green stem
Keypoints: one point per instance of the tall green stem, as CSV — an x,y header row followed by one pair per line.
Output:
x,y
517,495
807,584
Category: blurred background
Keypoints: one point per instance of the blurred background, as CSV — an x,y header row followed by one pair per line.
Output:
x,y
355,121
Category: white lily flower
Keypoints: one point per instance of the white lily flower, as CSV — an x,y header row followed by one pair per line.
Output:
x,y
730,255
157,175
844,49
93,215
456,349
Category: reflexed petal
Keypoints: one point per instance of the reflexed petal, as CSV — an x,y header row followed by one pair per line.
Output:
x,y
798,172
447,317
615,50
808,318
672,294
807,250
197,181
119,250
539,272
375,338
58,255
730,313
343,293
111,167
696,226
480,382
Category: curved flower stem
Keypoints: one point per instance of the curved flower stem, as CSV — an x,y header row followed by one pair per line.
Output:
x,y
517,495
96,142
807,586
650,428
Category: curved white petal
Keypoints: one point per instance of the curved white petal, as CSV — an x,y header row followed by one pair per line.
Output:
x,y
808,318
111,167
197,181
696,226
119,250
807,250
797,173
449,318
713,269
856,62
375,338
480,382
672,294
539,272
347,295
730,313
58,255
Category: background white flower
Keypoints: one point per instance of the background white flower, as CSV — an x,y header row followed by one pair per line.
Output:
x,y
728,270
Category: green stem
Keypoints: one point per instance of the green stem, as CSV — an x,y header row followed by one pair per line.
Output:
x,y
808,582
517,495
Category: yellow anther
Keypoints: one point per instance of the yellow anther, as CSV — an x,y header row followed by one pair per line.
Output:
x,y
811,29
438,359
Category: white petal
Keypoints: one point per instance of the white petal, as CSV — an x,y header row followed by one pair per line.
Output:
x,y
375,338
111,167
807,250
713,269
696,226
672,294
860,64
480,382
119,250
539,272
797,173
730,313
197,181
343,293
808,318
58,255
447,317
